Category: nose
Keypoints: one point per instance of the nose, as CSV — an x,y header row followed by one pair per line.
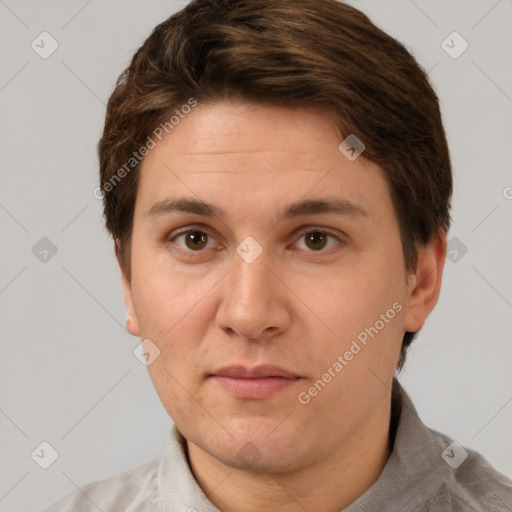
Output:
x,y
255,303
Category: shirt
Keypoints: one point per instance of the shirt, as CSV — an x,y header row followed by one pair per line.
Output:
x,y
426,471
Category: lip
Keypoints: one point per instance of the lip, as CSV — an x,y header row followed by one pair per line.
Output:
x,y
262,371
254,383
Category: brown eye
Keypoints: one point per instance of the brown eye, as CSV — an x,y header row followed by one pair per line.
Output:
x,y
316,240
190,241
195,240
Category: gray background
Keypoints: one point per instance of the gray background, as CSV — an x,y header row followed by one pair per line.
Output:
x,y
68,375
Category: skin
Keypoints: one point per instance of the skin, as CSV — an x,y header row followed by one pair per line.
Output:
x,y
299,305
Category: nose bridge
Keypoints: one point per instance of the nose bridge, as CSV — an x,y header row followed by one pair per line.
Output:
x,y
252,303
251,276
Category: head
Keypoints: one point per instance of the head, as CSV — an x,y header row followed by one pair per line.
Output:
x,y
248,234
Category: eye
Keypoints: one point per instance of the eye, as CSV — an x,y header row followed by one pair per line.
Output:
x,y
194,240
316,240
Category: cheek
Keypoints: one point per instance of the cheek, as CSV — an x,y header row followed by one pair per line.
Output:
x,y
163,297
171,311
173,386
364,311
349,300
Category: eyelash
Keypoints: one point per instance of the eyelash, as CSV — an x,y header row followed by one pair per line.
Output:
x,y
309,230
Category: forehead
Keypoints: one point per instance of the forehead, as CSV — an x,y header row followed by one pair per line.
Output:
x,y
241,154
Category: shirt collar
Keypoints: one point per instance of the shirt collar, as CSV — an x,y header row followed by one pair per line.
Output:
x,y
415,467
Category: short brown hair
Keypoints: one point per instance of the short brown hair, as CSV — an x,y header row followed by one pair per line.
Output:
x,y
293,53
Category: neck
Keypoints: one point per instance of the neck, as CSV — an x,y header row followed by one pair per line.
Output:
x,y
326,486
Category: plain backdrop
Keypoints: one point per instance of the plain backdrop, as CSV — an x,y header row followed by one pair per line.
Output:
x,y
68,375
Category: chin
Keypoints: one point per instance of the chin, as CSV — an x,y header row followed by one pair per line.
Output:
x,y
263,446
259,458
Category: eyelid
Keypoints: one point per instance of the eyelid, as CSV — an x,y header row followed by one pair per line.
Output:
x,y
310,229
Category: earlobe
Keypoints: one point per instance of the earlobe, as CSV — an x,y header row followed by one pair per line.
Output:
x,y
132,322
425,283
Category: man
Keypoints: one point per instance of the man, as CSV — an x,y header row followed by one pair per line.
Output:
x,y
276,178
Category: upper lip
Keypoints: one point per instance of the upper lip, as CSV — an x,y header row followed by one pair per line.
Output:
x,y
258,372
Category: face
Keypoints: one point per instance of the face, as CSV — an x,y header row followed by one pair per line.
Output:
x,y
278,307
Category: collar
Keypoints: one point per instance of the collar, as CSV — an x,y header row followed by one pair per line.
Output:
x,y
414,469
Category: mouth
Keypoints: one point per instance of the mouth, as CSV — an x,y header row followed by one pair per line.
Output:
x,y
254,383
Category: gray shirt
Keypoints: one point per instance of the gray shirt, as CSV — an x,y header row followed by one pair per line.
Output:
x,y
427,471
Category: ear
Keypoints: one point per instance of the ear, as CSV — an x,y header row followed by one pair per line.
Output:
x,y
132,322
425,283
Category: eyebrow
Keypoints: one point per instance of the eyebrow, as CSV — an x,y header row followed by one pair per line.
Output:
x,y
300,208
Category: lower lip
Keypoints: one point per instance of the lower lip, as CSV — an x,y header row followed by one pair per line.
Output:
x,y
255,388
